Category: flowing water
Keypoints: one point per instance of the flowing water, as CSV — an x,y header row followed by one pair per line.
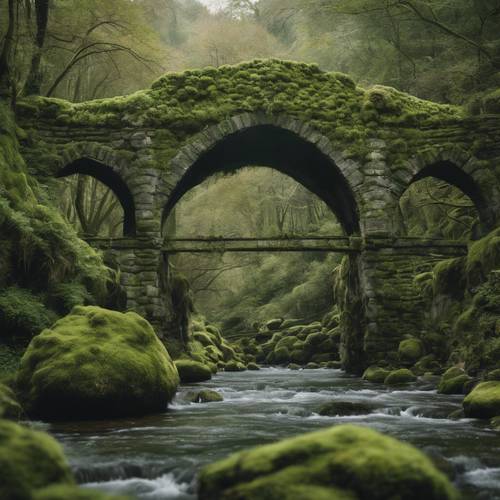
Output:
x,y
157,457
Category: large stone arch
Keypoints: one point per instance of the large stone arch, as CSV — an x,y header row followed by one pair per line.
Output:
x,y
462,170
280,142
101,163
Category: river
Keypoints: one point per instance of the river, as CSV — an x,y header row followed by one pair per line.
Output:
x,y
157,457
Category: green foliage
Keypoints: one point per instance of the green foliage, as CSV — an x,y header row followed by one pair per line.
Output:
x,y
23,314
29,460
96,363
340,462
483,256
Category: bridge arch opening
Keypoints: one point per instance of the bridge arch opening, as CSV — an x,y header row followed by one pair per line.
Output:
x,y
109,178
443,201
239,289
283,150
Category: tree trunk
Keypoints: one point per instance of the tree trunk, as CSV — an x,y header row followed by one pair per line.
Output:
x,y
6,83
34,81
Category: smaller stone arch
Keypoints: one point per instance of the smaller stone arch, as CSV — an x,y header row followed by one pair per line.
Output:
x,y
327,173
458,168
100,163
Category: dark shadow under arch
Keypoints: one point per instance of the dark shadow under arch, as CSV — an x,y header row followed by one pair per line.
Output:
x,y
449,172
283,150
111,179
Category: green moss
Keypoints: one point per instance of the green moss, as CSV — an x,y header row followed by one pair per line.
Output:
x,y
449,278
453,381
253,366
410,350
192,371
23,314
375,374
29,460
281,356
204,396
234,366
95,363
340,462
9,407
401,376
483,256
65,492
483,401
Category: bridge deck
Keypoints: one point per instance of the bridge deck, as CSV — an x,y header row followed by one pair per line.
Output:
x,y
339,244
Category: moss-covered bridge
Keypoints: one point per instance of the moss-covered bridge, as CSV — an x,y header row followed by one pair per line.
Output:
x,y
357,149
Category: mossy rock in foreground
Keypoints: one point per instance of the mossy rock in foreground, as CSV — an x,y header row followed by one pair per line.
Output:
x,y
192,371
340,462
96,363
65,492
483,401
29,460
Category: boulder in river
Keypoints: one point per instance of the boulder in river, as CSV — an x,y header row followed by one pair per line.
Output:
x,y
274,324
401,376
204,396
483,401
29,460
342,462
192,371
96,363
253,366
235,366
453,381
345,409
375,374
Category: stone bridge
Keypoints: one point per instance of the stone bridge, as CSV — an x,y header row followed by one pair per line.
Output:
x,y
356,149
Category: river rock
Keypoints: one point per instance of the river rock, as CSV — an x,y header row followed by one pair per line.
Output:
x,y
253,366
204,396
29,460
96,363
401,376
235,366
483,401
192,371
342,462
345,409
453,381
410,350
375,374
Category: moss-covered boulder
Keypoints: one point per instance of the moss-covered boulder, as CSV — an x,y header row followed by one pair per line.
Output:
x,y
96,363
401,376
66,492
453,381
253,366
192,371
410,350
483,401
375,374
9,406
29,460
235,366
312,366
204,396
342,462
